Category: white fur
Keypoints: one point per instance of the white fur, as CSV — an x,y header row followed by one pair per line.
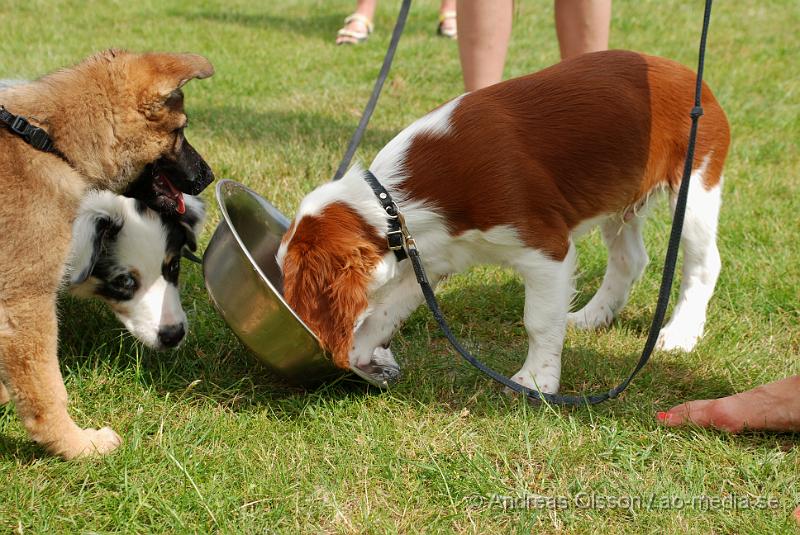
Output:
x,y
701,266
627,259
355,192
4,84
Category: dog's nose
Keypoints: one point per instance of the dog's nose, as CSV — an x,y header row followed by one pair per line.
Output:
x,y
171,335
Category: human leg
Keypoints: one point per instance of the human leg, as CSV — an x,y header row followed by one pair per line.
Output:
x,y
484,31
582,26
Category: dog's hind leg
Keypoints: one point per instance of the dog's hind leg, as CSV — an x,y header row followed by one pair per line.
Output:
x,y
5,326
627,259
701,265
548,290
29,367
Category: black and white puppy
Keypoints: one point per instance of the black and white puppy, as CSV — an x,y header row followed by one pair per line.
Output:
x,y
129,255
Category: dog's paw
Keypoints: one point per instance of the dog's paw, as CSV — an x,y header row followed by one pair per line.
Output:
x,y
542,382
5,397
680,338
382,366
591,317
90,442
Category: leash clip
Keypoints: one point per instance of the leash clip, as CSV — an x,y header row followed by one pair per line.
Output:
x,y
401,238
408,239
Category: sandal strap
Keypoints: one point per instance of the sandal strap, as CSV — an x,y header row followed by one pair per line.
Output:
x,y
360,36
446,15
358,17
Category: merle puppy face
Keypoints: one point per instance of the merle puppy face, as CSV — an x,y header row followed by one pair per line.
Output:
x,y
129,255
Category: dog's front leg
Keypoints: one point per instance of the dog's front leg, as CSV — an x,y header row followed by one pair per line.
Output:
x,y
5,397
29,367
392,306
548,290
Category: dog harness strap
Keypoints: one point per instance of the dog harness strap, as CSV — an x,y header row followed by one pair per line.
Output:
x,y
33,135
394,237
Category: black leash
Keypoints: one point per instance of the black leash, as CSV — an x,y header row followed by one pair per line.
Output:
x,y
663,294
376,90
34,136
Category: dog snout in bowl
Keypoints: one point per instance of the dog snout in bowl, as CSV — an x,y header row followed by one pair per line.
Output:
x,y
245,284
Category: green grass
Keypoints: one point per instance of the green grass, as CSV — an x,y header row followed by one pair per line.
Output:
x,y
214,443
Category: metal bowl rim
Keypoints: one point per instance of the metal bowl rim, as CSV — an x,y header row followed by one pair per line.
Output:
x,y
223,209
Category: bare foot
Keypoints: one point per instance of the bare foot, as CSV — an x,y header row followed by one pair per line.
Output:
x,y
797,515
771,407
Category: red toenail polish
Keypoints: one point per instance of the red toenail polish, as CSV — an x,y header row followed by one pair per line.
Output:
x,y
662,416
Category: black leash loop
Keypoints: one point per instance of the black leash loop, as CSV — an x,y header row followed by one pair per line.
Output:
x,y
666,278
376,90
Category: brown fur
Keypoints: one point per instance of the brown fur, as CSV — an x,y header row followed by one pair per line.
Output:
x,y
327,271
546,151
110,116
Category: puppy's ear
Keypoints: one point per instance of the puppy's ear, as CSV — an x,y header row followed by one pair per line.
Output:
x,y
192,220
90,233
173,71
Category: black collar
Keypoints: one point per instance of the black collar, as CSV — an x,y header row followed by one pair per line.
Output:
x,y
32,135
395,235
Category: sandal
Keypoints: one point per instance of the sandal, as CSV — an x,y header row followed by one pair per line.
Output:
x,y
450,31
353,37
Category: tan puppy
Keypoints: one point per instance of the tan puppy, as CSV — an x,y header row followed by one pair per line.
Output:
x,y
116,118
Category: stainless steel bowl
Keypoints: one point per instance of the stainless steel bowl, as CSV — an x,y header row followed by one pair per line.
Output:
x,y
245,284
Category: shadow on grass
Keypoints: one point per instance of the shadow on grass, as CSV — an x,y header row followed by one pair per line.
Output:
x,y
487,317
319,26
211,365
294,127
490,318
22,451
322,27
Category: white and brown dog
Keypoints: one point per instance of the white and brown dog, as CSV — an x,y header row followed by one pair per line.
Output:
x,y
511,175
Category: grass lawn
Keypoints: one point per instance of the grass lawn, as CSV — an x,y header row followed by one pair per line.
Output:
x,y
214,443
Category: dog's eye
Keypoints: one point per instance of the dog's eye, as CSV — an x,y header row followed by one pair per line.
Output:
x,y
125,282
